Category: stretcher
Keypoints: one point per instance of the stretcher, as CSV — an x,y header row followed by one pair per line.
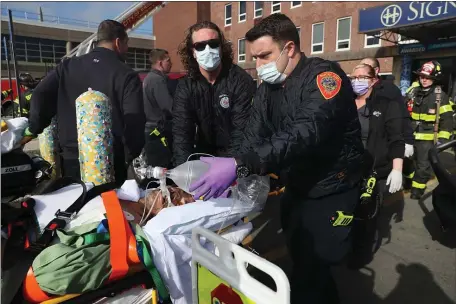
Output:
x,y
120,285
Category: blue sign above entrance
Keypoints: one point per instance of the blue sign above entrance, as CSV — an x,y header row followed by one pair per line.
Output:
x,y
403,14
414,48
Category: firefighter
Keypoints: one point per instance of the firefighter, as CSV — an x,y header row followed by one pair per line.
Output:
x,y
28,84
424,110
6,93
304,120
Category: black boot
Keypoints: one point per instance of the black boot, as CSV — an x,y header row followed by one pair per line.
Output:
x,y
416,194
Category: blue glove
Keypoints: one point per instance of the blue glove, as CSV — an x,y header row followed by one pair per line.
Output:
x,y
219,177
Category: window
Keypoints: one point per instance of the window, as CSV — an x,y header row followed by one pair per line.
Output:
x,y
343,34
372,40
318,37
275,7
228,14
258,9
242,11
295,4
241,50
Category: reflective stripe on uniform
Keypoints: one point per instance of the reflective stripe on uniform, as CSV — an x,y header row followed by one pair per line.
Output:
x,y
445,108
431,117
444,134
155,132
410,176
418,185
423,117
424,136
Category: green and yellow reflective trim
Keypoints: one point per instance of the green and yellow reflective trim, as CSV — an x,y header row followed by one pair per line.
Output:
x,y
424,136
444,135
157,133
410,176
418,185
446,108
414,85
431,117
423,117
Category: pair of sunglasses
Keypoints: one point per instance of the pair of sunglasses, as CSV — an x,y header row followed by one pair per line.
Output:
x,y
201,46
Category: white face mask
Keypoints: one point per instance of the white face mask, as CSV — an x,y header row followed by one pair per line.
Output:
x,y
209,59
268,72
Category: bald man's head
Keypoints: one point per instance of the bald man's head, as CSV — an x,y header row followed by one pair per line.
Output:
x,y
373,62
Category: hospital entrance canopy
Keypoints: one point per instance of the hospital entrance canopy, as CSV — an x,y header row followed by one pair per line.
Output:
x,y
432,23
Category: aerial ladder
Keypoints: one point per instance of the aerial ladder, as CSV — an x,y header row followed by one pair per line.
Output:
x,y
131,18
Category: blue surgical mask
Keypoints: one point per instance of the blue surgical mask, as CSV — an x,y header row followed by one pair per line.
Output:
x,y
209,59
360,86
269,73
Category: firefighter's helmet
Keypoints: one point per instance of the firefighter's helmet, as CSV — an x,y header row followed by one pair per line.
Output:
x,y
27,80
431,69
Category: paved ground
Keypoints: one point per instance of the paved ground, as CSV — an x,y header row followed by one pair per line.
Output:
x,y
416,263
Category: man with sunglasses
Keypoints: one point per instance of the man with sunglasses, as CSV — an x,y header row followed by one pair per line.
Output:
x,y
215,96
158,103
303,120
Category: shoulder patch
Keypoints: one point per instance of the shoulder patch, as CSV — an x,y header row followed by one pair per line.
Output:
x,y
329,84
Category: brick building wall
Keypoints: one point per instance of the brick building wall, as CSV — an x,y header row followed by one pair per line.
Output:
x,y
303,16
172,21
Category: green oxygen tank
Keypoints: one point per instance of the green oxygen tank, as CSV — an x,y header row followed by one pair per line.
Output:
x,y
49,144
95,139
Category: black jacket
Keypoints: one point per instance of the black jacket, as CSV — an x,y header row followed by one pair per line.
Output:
x,y
385,141
158,101
391,89
220,111
102,70
424,115
295,128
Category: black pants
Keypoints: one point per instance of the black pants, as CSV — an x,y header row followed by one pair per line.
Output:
x,y
156,152
409,168
364,232
423,171
315,245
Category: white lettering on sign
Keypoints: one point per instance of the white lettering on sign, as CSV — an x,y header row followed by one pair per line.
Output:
x,y
432,9
392,14
15,169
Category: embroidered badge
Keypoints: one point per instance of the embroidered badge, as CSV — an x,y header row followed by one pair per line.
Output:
x,y
431,111
224,101
329,84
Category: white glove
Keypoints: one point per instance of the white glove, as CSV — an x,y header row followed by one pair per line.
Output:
x,y
394,180
408,150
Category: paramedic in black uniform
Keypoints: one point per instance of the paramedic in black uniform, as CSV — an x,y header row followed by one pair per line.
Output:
x,y
303,119
103,69
216,96
158,103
